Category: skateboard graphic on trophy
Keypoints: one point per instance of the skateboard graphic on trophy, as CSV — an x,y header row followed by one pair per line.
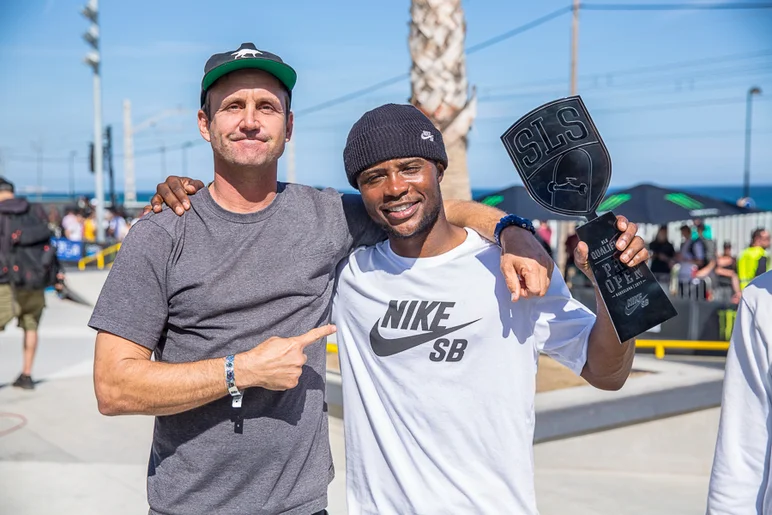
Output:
x,y
566,168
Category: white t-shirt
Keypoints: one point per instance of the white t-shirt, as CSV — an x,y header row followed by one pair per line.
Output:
x,y
740,481
438,369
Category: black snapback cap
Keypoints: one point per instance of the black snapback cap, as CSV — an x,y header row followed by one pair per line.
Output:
x,y
247,56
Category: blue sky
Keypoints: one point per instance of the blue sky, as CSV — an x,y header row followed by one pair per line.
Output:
x,y
666,88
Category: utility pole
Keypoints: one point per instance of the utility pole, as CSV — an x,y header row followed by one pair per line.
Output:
x,y
109,161
93,59
72,175
574,44
129,184
747,175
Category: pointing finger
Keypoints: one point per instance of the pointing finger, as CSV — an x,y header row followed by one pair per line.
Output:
x,y
512,280
314,335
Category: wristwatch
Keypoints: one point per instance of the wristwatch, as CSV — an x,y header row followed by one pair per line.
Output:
x,y
508,220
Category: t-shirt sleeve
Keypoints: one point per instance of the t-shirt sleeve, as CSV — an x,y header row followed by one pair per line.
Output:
x,y
133,303
563,325
362,229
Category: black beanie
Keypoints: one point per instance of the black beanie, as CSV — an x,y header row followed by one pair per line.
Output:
x,y
391,131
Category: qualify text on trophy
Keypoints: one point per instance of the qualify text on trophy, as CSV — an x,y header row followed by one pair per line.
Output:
x,y
566,168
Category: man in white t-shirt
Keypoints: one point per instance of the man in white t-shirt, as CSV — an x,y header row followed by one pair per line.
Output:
x,y
438,363
741,479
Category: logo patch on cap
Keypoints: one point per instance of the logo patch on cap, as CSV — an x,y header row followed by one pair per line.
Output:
x,y
246,52
427,135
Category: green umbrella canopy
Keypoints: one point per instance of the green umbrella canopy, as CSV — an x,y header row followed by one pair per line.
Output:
x,y
650,204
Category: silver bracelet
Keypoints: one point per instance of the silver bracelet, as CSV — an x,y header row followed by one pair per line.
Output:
x,y
230,381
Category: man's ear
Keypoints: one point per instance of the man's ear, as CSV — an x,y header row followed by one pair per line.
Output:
x,y
440,172
203,125
290,126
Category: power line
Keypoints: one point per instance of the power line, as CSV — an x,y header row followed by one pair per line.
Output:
x,y
676,7
641,70
354,94
651,107
519,30
687,82
398,78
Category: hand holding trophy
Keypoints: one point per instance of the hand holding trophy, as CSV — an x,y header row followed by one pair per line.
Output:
x,y
566,168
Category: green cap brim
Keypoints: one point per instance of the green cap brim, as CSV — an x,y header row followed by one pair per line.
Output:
x,y
281,71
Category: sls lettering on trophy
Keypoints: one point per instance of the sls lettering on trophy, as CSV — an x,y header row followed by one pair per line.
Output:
x,y
545,139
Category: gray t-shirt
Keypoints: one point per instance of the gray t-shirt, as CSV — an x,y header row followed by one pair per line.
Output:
x,y
212,283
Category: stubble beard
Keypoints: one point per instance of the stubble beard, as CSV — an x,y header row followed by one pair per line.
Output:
x,y
424,226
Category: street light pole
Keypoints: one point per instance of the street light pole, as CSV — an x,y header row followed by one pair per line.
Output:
x,y
747,178
72,175
93,59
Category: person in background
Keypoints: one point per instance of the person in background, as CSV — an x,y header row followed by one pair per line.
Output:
x,y
89,227
707,232
117,228
754,260
726,272
663,253
54,222
33,261
570,245
544,235
687,267
741,477
704,250
72,224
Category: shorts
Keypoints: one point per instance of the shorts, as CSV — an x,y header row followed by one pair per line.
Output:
x,y
26,305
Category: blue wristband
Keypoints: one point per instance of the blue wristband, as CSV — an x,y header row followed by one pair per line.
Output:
x,y
508,220
230,381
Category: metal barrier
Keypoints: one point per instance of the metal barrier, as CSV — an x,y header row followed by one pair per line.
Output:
x,y
659,346
99,257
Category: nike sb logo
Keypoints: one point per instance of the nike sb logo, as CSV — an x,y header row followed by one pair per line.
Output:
x,y
638,301
413,316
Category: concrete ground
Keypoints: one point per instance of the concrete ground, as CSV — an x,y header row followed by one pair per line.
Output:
x,y
59,455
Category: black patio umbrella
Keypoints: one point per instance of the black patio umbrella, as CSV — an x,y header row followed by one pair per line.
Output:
x,y
649,204
516,200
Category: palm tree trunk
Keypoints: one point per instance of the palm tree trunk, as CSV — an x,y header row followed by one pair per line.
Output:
x,y
439,85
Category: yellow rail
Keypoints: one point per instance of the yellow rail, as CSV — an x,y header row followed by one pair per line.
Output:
x,y
99,257
659,346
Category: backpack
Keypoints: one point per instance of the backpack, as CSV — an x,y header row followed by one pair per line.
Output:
x,y
29,258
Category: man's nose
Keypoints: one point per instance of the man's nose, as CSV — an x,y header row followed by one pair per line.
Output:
x,y
249,121
396,185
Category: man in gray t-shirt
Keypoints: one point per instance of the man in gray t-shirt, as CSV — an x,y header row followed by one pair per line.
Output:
x,y
233,297
214,283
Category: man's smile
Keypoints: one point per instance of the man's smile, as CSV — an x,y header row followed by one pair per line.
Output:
x,y
401,211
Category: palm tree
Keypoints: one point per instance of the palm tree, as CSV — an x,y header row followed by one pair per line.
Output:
x,y
438,83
